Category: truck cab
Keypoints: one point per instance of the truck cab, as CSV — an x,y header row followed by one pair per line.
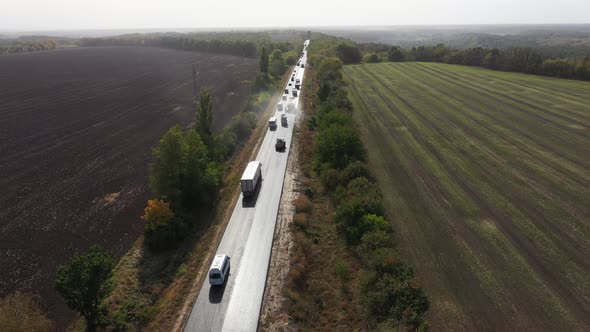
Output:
x,y
281,144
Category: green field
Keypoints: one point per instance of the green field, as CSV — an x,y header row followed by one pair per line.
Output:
x,y
486,178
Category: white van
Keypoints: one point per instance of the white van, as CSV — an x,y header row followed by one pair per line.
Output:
x,y
219,270
272,123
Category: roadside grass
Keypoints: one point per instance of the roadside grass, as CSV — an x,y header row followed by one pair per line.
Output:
x,y
320,284
486,179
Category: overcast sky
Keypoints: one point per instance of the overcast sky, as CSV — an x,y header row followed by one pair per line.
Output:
x,y
23,15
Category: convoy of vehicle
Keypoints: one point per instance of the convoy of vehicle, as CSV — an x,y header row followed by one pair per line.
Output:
x,y
252,176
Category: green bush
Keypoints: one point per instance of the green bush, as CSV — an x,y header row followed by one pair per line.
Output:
x,y
362,198
389,291
85,282
342,271
373,240
371,58
328,119
263,81
338,146
290,58
356,169
309,192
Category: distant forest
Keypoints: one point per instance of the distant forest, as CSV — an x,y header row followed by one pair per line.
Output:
x,y
245,44
28,44
562,41
531,60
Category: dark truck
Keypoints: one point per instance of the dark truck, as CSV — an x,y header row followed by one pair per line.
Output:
x,y
281,144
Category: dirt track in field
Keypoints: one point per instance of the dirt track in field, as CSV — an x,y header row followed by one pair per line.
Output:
x,y
76,131
486,178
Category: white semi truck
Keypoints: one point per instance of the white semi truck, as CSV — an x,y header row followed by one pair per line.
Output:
x,y
251,177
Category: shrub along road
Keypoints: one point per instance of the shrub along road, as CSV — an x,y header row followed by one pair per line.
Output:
x,y
486,178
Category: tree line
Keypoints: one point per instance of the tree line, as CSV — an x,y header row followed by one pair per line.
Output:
x,y
24,46
515,59
387,290
232,47
233,43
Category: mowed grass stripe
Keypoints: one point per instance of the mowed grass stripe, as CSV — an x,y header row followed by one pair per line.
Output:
x,y
559,126
545,91
493,193
529,139
535,86
439,124
503,299
532,105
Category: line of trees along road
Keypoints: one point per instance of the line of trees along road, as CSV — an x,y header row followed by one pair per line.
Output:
x,y
388,293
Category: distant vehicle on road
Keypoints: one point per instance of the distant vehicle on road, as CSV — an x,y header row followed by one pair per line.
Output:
x,y
291,107
293,78
251,177
286,91
284,97
219,270
284,120
279,107
294,93
297,86
272,123
302,65
281,144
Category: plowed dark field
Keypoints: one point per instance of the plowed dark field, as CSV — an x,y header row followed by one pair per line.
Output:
x,y
486,179
76,131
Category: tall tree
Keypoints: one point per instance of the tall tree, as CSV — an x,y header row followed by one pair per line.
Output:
x,y
349,53
204,117
182,172
85,282
264,60
277,63
166,173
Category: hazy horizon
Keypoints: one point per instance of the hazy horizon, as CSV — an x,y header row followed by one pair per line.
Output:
x,y
59,15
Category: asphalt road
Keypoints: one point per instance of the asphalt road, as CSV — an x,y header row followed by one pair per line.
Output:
x,y
248,241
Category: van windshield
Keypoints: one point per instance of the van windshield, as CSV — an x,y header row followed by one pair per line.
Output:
x,y
215,275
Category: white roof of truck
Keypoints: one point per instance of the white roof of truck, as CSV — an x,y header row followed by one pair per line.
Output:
x,y
217,261
250,171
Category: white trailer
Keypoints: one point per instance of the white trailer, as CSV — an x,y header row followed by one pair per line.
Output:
x,y
251,177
